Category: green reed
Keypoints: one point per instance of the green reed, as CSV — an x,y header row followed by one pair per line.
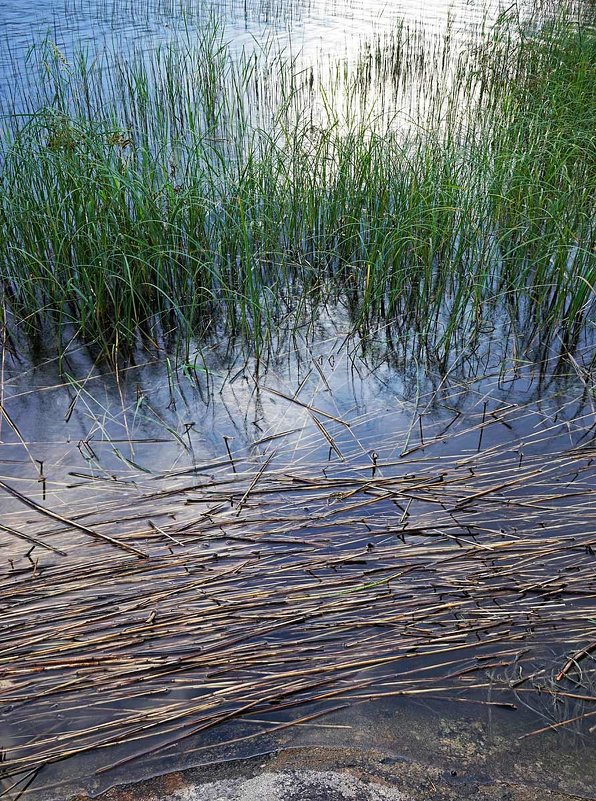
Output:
x,y
198,192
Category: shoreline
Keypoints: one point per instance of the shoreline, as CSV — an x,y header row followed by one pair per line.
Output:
x,y
331,774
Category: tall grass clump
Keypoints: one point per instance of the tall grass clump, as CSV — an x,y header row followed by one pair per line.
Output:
x,y
191,193
545,179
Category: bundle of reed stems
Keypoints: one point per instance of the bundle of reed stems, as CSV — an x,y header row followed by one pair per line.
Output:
x,y
259,590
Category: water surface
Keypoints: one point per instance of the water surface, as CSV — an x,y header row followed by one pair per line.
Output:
x,y
305,518
267,499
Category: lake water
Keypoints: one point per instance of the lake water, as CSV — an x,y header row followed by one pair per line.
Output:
x,y
304,517
333,25
312,30
257,492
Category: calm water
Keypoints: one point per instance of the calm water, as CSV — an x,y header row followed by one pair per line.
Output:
x,y
106,446
327,28
90,445
330,24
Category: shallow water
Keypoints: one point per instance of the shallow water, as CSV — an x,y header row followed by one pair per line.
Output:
x,y
326,29
333,24
123,450
221,446
166,415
